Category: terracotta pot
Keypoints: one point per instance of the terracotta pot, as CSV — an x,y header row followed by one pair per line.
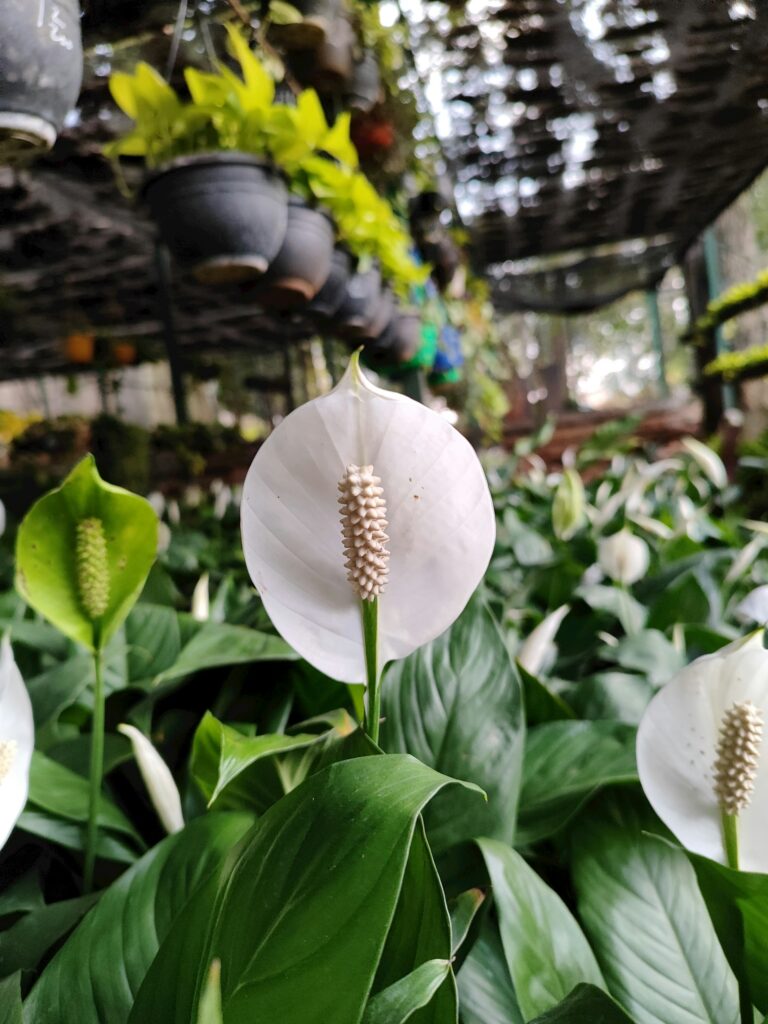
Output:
x,y
222,215
303,264
41,68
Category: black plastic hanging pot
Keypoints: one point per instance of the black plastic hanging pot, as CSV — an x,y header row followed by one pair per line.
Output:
x,y
360,303
397,343
364,86
331,295
380,316
303,264
41,69
222,215
317,18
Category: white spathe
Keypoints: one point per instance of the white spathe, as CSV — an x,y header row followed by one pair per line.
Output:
x,y
677,748
535,648
17,741
201,602
439,509
754,607
3,518
708,461
623,557
158,779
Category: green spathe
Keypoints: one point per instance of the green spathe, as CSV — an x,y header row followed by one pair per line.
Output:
x,y
46,553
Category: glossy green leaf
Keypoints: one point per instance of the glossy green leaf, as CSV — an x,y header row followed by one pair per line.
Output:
x,y
615,601
101,967
23,945
463,912
153,639
46,562
486,994
642,909
71,835
10,1000
302,920
398,1003
546,951
586,1005
456,704
737,902
566,763
541,703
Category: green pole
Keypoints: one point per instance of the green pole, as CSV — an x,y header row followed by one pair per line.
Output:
x,y
715,282
657,338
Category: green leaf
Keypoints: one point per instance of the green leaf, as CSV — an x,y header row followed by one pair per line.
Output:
x,y
59,687
153,638
737,902
10,1000
71,835
398,1003
546,951
101,967
23,945
282,13
541,703
46,553
616,602
587,1005
683,600
652,654
218,643
222,758
463,912
303,917
486,995
456,704
642,909
565,764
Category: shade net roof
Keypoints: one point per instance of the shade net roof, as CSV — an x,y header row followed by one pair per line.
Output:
x,y
591,141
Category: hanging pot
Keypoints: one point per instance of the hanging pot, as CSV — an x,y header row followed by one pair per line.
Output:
x,y
222,215
328,67
303,264
331,295
359,305
308,34
380,316
41,69
364,87
397,343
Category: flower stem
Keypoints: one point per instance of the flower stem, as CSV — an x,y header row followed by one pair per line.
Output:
x,y
96,772
731,840
371,644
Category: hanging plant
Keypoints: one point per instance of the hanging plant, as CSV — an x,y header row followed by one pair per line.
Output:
x,y
41,68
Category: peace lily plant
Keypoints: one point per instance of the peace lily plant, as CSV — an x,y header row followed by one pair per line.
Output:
x,y
367,524
17,738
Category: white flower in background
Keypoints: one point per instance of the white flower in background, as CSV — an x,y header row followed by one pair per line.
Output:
x,y
201,605
440,524
173,511
653,526
745,558
538,645
708,461
623,557
754,607
163,537
699,753
222,502
17,740
157,501
3,518
216,487
157,777
193,495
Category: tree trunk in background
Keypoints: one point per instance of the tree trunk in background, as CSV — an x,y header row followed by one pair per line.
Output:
x,y
740,258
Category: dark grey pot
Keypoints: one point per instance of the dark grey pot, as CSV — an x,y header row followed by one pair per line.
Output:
x,y
330,297
365,84
222,215
359,305
303,264
41,69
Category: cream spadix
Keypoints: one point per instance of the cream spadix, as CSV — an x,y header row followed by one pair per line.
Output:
x,y
700,756
439,535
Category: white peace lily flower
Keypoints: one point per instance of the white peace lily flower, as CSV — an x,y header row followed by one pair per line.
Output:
x,y
745,558
535,648
193,495
439,520
158,779
756,526
754,607
201,603
157,501
708,461
3,518
17,740
699,754
623,557
174,513
163,537
223,501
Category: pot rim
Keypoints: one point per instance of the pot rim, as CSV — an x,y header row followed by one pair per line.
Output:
x,y
214,157
27,127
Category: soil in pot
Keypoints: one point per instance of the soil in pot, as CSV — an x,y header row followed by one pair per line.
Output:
x,y
303,264
328,67
222,215
331,295
364,89
311,32
359,305
41,68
